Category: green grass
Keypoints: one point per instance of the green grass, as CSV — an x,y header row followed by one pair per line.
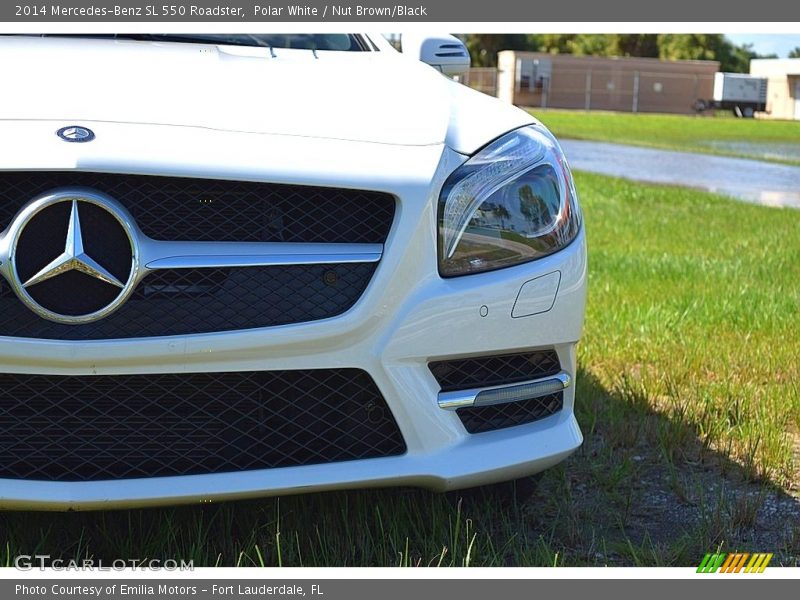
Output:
x,y
687,396
723,136
694,299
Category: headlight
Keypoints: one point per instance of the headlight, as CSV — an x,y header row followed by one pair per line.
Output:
x,y
513,202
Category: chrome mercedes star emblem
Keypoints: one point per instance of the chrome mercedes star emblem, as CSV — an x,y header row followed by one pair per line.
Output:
x,y
84,282
75,133
74,257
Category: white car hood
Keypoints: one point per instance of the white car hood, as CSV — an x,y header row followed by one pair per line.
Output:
x,y
379,97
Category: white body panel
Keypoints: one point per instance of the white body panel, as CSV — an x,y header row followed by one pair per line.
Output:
x,y
408,314
379,97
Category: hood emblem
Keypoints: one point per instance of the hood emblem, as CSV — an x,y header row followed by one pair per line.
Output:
x,y
75,133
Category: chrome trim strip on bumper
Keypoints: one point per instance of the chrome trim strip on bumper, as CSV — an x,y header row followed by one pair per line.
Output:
x,y
502,394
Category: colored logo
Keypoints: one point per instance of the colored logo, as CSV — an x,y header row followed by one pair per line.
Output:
x,y
740,562
75,133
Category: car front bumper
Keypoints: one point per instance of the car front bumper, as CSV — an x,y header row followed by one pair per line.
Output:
x,y
407,318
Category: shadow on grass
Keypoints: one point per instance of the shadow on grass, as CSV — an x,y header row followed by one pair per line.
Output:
x,y
643,490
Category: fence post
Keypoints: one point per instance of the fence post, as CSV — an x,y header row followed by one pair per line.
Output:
x,y
545,90
635,107
588,99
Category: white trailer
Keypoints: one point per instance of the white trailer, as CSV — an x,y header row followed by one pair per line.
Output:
x,y
741,93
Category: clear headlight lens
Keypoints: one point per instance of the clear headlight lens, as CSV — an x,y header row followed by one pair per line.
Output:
x,y
513,202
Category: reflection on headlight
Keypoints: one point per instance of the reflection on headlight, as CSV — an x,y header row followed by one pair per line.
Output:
x,y
511,203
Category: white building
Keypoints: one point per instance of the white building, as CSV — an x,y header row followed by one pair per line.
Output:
x,y
783,86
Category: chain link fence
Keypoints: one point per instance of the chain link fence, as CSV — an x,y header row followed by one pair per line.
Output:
x,y
616,89
483,79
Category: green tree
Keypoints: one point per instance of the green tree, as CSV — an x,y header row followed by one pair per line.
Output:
x,y
595,44
588,45
690,46
483,48
634,44
707,46
795,53
614,44
557,43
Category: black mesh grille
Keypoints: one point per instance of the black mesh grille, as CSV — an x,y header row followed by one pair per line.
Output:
x,y
184,301
485,371
191,301
180,208
57,428
489,418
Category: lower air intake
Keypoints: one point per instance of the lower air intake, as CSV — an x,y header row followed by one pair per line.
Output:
x,y
106,427
498,370
487,371
479,419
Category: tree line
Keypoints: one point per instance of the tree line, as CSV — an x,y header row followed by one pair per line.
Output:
x,y
733,58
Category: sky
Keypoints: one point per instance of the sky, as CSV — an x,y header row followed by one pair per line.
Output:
x,y
767,43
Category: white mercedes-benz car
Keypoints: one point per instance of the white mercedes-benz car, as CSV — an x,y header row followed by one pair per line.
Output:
x,y
250,265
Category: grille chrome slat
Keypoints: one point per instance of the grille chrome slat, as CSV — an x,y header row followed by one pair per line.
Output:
x,y
198,255
503,394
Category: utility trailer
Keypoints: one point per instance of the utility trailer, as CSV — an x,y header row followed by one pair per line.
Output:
x,y
743,94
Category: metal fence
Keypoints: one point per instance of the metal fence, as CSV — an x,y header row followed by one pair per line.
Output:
x,y
483,79
602,89
619,90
